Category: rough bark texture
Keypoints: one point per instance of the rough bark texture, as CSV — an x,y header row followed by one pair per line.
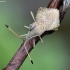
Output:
x,y
20,56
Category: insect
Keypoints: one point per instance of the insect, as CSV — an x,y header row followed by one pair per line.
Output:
x,y
46,19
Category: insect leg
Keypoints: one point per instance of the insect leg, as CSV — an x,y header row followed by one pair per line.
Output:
x,y
13,31
28,53
33,42
27,27
55,29
41,39
32,15
23,35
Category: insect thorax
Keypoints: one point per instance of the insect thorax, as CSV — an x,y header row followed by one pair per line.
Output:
x,y
46,19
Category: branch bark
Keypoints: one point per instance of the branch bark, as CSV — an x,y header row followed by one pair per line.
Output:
x,y
20,56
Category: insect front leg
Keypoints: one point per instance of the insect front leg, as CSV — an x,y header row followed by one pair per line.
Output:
x,y
23,35
33,19
32,15
27,27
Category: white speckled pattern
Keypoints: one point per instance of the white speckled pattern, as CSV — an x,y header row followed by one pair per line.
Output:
x,y
46,19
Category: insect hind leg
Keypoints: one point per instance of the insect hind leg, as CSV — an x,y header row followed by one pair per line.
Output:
x,y
33,42
41,39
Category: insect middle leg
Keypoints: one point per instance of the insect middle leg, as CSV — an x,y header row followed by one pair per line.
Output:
x,y
32,15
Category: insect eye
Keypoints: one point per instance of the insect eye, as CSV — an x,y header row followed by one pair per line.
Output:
x,y
31,27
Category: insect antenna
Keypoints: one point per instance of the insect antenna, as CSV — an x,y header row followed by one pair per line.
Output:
x,y
20,38
13,31
28,54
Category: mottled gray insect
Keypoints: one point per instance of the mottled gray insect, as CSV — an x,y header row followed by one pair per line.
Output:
x,y
46,19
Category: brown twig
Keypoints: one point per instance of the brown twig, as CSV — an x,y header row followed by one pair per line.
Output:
x,y
21,54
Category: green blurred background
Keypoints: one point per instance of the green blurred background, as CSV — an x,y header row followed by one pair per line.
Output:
x,y
53,54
